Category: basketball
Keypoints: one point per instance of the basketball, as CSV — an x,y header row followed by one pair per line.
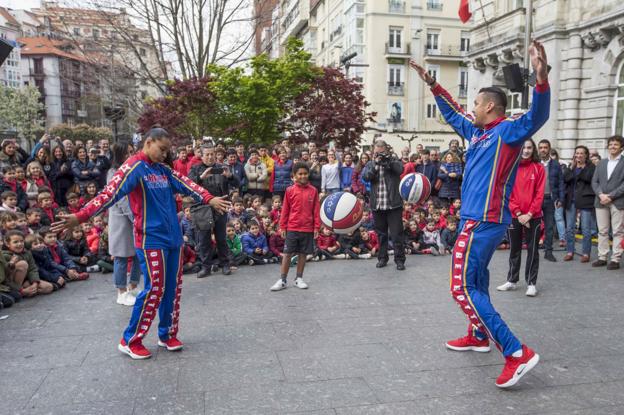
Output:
x,y
342,212
415,188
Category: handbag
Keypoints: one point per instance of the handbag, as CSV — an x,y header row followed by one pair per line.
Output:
x,y
202,216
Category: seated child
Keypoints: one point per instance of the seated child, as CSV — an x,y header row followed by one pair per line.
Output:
x,y
60,259
352,245
276,209
189,259
439,220
186,223
9,183
104,258
256,247
8,295
45,203
78,251
43,258
412,237
9,201
22,269
33,218
367,220
238,211
327,245
430,241
22,223
276,243
73,203
455,206
8,221
370,241
93,237
449,235
237,256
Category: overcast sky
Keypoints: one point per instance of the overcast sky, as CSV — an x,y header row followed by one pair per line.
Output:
x,y
20,4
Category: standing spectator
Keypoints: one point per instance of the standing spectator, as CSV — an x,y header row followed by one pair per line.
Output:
x,y
560,211
61,177
282,172
454,149
240,152
553,196
217,179
608,185
238,170
181,164
427,168
41,153
357,185
330,174
120,238
102,164
105,150
82,168
435,158
9,156
68,146
384,174
525,205
256,173
346,172
265,158
451,175
579,198
316,179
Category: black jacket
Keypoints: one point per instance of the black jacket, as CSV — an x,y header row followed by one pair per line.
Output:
x,y
583,193
392,177
216,184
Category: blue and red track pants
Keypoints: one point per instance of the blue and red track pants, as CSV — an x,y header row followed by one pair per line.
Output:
x,y
162,269
470,280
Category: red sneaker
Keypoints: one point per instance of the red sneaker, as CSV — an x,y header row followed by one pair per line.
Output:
x,y
172,344
135,350
469,343
516,367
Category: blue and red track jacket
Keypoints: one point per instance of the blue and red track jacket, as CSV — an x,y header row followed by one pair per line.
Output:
x,y
493,154
150,188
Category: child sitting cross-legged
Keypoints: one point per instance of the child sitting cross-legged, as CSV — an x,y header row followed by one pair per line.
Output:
x,y
449,235
73,203
33,218
370,241
412,237
77,249
104,258
430,240
8,221
46,204
9,201
22,223
43,258
8,294
327,245
22,269
235,247
60,258
352,245
256,247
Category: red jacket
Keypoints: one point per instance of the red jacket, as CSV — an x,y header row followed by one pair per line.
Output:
x,y
275,215
193,161
407,169
528,192
182,166
276,244
301,209
373,241
324,242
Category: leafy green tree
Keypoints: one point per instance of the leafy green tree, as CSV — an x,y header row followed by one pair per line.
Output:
x,y
21,111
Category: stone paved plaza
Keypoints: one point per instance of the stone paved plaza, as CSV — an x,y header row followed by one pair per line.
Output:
x,y
359,341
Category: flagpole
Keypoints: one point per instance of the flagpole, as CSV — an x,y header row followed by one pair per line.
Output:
x,y
528,13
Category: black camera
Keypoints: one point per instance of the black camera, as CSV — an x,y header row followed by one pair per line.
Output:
x,y
383,159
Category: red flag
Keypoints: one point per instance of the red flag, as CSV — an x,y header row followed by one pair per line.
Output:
x,y
464,11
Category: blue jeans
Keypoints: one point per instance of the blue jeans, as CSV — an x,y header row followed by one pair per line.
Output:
x,y
586,226
560,220
120,270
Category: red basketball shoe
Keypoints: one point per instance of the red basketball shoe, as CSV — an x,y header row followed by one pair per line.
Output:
x,y
516,367
172,344
469,343
135,350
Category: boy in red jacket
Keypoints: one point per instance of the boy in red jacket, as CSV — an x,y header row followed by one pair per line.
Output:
x,y
299,224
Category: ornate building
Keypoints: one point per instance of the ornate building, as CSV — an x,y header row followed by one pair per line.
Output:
x,y
585,46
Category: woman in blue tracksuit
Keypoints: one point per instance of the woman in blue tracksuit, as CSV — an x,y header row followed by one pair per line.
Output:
x,y
150,186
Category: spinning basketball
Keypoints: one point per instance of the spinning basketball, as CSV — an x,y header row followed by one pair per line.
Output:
x,y
342,212
415,188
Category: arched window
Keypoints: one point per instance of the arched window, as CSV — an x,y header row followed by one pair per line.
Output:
x,y
619,103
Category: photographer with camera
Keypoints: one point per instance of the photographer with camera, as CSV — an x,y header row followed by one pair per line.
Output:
x,y
218,180
384,174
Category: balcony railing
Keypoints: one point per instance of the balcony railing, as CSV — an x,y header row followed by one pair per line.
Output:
x,y
450,51
463,91
434,5
395,6
404,49
396,88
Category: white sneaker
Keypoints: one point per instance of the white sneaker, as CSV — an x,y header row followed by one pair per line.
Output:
x,y
531,291
299,283
364,256
279,285
125,299
435,251
508,286
93,268
340,256
134,292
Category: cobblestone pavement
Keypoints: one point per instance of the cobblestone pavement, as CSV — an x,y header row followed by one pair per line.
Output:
x,y
359,341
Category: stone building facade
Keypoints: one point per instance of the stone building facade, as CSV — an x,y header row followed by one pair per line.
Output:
x,y
585,46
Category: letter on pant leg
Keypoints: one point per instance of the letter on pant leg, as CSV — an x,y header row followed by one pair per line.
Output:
x,y
148,301
169,311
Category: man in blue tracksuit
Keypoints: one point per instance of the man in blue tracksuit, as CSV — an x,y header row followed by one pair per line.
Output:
x,y
495,144
151,187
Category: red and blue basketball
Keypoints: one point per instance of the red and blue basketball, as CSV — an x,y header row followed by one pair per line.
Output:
x,y
342,212
415,188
